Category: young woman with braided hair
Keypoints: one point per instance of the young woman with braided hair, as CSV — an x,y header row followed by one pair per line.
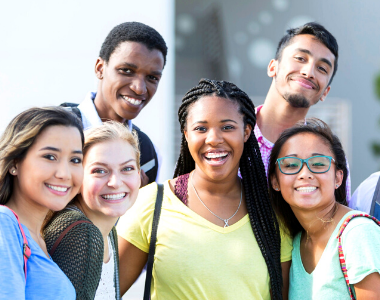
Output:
x,y
218,237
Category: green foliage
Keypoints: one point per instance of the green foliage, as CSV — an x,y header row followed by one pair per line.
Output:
x,y
377,86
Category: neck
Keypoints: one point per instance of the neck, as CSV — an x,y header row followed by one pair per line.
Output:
x,y
104,109
104,223
322,222
31,214
277,114
219,188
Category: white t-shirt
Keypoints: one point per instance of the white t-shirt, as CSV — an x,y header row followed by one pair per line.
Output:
x,y
363,195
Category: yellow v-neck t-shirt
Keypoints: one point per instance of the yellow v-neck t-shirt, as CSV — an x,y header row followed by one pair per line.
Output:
x,y
196,259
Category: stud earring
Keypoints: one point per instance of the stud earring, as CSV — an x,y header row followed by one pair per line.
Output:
x,y
13,171
337,185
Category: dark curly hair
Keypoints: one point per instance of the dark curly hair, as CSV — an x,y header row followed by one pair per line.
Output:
x,y
318,128
132,32
319,32
262,218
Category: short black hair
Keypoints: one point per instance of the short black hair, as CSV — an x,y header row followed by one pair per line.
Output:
x,y
316,30
132,32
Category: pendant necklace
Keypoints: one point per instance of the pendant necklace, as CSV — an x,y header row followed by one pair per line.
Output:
x,y
224,220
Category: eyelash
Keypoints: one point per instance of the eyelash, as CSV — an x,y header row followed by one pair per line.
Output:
x,y
300,58
130,71
74,160
98,171
130,169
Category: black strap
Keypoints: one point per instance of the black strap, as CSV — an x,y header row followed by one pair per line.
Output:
x,y
153,239
376,198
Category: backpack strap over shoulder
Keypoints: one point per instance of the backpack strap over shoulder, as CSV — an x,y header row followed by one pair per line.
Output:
x,y
25,247
375,206
340,248
153,240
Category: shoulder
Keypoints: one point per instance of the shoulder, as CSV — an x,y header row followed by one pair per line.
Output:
x,y
8,221
360,229
362,197
76,225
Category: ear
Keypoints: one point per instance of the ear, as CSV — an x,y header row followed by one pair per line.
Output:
x,y
185,133
247,132
272,68
338,178
99,68
325,93
274,183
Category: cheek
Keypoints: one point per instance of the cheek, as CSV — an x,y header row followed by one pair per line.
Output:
x,y
92,187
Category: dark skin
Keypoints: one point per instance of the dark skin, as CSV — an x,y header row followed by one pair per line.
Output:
x,y
213,124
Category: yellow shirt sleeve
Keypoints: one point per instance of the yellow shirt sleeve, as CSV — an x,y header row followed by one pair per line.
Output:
x,y
286,245
136,224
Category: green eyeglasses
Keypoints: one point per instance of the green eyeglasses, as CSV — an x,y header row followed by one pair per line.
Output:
x,y
316,164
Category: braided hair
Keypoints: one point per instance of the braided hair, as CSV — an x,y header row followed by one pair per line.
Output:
x,y
262,217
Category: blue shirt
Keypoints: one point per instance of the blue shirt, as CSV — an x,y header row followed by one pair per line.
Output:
x,y
45,280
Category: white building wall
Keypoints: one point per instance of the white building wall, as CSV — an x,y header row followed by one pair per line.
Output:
x,y
48,53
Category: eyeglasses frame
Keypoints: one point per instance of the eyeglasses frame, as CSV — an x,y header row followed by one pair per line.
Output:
x,y
306,161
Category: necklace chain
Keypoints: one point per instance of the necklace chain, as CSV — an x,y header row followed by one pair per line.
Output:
x,y
224,220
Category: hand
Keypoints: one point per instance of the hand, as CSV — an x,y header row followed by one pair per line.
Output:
x,y
144,179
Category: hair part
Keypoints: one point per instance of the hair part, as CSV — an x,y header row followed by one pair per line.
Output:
x,y
111,131
319,32
132,32
262,218
322,130
20,135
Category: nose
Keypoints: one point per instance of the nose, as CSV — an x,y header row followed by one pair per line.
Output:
x,y
214,137
308,70
138,85
63,171
305,172
114,181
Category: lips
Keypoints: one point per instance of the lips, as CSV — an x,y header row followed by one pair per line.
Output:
x,y
133,101
57,189
306,189
117,196
306,83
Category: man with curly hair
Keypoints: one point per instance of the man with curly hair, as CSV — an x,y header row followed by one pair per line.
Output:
x,y
129,69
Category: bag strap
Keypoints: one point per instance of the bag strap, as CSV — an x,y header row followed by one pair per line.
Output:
x,y
153,240
340,249
25,247
376,198
62,235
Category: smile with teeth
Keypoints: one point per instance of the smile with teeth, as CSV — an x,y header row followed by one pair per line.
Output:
x,y
114,196
216,156
132,100
306,189
57,188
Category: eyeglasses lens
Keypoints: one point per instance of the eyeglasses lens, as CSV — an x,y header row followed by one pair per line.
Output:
x,y
292,165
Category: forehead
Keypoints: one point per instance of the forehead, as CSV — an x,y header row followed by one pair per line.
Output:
x,y
137,53
110,152
305,145
310,43
213,108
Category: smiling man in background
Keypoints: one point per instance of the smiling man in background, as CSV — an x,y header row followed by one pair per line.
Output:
x,y
304,66
129,69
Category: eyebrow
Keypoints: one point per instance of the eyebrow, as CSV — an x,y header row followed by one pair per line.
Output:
x,y
59,150
106,165
325,60
133,66
222,121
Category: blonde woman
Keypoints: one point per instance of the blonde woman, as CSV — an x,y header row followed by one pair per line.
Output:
x,y
40,170
82,238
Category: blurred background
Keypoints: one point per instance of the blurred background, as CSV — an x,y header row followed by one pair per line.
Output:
x,y
49,49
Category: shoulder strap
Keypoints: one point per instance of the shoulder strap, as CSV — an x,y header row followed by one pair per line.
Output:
x,y
25,247
340,249
153,239
62,235
376,198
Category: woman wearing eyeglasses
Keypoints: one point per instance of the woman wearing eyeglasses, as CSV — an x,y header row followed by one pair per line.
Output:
x,y
307,172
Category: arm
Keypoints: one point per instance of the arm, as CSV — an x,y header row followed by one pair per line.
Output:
x,y
131,263
285,266
368,288
11,259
